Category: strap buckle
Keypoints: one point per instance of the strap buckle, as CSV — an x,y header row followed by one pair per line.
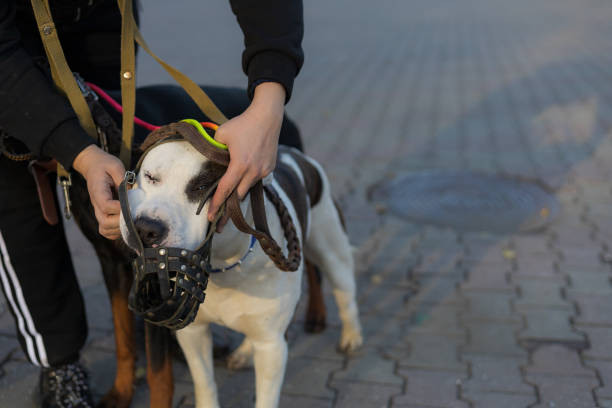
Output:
x,y
65,182
130,177
85,90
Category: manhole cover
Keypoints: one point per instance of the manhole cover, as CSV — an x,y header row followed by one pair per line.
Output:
x,y
467,201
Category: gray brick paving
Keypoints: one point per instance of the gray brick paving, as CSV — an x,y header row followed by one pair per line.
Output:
x,y
563,391
545,326
429,351
536,293
431,388
451,319
369,366
493,338
500,400
492,373
490,306
557,360
356,394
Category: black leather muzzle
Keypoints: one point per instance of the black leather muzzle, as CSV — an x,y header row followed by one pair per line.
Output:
x,y
169,283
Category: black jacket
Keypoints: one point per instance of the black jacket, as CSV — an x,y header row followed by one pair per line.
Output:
x,y
32,111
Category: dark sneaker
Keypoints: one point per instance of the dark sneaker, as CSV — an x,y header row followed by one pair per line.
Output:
x,y
66,386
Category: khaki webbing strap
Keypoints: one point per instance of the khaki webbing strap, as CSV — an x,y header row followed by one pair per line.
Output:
x,y
62,75
196,93
130,32
128,80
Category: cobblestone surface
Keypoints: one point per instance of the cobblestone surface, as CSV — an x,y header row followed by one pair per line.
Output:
x,y
451,319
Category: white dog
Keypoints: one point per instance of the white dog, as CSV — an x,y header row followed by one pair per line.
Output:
x,y
253,297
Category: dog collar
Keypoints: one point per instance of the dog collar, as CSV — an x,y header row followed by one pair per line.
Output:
x,y
227,268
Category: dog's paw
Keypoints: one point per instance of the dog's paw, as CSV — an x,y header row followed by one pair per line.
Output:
x,y
350,341
315,322
314,326
240,359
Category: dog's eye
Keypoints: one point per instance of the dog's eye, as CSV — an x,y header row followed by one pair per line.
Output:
x,y
150,178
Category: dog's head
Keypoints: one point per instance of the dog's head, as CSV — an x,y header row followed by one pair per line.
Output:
x,y
170,186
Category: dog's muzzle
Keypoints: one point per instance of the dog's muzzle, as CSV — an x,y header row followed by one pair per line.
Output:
x,y
169,283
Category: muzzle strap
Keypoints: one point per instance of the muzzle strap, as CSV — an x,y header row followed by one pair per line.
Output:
x,y
133,236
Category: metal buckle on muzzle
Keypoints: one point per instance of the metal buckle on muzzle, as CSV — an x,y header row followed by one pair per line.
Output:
x,y
169,285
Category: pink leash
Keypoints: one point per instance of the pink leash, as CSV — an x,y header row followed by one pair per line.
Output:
x,y
137,120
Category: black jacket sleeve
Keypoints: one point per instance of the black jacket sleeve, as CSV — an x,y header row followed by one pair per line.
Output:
x,y
31,110
273,31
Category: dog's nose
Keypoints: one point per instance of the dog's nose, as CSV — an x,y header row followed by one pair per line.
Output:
x,y
151,231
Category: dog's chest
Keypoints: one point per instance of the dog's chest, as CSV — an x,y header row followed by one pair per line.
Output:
x,y
256,289
251,291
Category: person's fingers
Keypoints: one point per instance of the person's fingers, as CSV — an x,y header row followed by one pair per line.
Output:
x,y
110,207
245,184
224,133
227,184
106,209
110,222
110,234
116,170
105,230
103,173
108,225
99,189
106,221
221,223
101,194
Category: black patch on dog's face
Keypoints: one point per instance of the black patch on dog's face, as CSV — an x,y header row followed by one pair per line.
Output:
x,y
208,174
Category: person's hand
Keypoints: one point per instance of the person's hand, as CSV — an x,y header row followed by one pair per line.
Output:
x,y
102,172
252,141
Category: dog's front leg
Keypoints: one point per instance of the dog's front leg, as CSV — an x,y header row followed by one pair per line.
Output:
x,y
120,396
270,359
196,342
159,366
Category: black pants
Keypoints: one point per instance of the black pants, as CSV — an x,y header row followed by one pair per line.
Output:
x,y
36,271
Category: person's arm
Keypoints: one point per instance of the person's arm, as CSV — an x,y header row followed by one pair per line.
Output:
x,y
273,31
273,56
32,111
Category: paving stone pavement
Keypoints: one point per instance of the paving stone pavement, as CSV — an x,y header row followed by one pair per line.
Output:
x,y
451,318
